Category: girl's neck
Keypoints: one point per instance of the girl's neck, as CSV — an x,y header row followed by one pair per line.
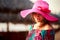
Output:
x,y
40,24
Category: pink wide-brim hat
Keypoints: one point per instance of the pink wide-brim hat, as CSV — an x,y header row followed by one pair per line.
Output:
x,y
40,7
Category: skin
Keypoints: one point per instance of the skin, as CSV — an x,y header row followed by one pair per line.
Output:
x,y
39,22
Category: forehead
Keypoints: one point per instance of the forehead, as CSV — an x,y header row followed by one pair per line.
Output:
x,y
35,13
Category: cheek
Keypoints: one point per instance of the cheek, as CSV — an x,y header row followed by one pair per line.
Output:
x,y
41,18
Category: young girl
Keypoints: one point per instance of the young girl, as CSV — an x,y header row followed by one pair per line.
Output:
x,y
40,13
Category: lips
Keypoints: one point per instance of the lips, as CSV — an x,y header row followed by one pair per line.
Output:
x,y
38,18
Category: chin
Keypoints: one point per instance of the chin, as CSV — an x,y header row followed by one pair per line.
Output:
x,y
39,20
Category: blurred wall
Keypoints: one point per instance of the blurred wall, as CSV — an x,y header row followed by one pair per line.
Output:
x,y
15,4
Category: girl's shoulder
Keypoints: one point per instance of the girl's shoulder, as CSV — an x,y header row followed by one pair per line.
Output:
x,y
48,27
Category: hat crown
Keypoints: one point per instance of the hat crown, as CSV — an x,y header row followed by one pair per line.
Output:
x,y
41,4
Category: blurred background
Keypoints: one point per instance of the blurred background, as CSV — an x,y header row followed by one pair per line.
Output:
x,y
14,27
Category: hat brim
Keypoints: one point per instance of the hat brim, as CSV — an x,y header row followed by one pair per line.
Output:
x,y
47,16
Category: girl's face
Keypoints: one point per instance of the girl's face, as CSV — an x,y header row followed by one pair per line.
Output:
x,y
37,17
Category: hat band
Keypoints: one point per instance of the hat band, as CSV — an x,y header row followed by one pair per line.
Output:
x,y
46,10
